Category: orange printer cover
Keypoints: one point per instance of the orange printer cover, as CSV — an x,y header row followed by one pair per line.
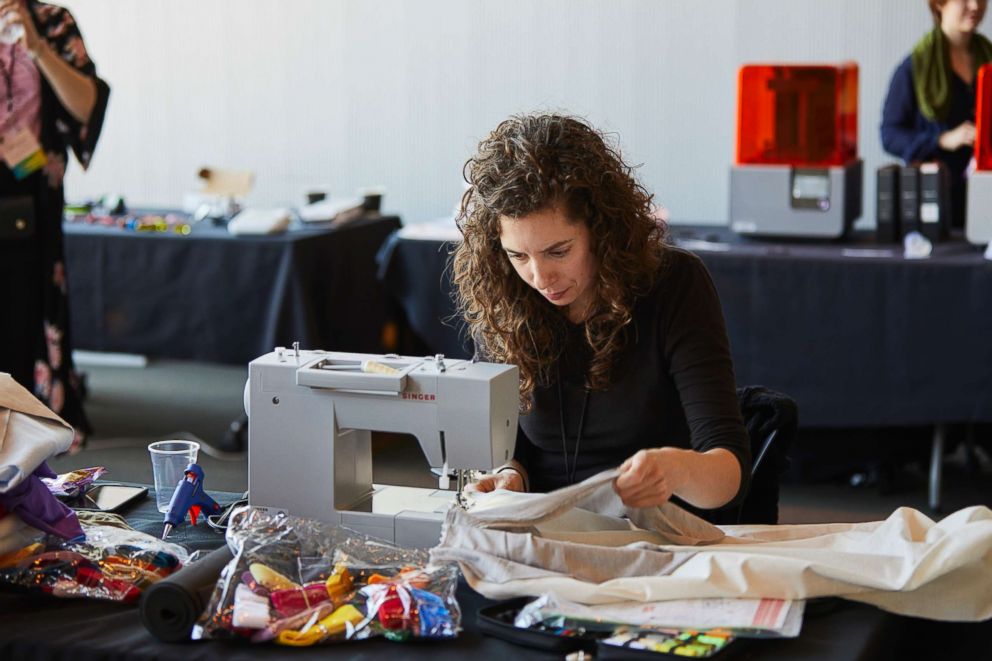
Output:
x,y
983,119
797,114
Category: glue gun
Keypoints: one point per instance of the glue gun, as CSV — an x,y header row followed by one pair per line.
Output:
x,y
188,497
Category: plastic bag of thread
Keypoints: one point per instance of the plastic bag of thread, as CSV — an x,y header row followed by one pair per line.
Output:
x,y
301,582
112,563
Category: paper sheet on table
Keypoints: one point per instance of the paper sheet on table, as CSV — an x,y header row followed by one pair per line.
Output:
x,y
777,617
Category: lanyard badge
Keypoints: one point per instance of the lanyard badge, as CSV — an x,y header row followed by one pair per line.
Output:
x,y
22,152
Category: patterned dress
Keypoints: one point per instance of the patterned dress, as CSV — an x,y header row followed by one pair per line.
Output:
x,y
35,342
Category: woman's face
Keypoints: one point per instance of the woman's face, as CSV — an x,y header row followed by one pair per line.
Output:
x,y
962,16
553,254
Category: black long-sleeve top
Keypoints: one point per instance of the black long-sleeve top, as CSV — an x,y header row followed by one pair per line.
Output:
x,y
673,385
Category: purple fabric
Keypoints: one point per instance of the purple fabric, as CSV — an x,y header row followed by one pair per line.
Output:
x,y
34,503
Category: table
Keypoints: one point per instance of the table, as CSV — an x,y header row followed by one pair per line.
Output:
x,y
855,333
215,297
858,335
39,626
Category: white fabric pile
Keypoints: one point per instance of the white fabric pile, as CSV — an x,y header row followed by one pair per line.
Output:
x,y
580,544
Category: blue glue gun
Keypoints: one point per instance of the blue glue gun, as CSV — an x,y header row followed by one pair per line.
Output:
x,y
188,497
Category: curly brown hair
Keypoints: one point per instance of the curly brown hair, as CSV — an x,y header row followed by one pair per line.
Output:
x,y
527,164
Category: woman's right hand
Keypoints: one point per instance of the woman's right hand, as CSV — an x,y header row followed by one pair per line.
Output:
x,y
509,479
963,135
17,11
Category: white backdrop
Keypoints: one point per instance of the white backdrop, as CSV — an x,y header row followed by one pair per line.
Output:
x,y
349,93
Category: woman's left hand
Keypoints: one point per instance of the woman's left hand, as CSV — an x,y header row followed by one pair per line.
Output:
x,y
650,477
17,11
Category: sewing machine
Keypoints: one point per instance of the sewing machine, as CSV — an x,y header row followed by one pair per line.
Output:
x,y
310,417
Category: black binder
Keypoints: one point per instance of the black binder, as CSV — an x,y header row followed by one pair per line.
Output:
x,y
935,201
887,219
909,198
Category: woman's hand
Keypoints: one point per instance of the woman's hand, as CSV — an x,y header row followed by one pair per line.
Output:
x,y
963,135
17,12
76,91
508,479
650,477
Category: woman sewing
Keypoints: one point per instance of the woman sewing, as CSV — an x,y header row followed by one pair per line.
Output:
x,y
619,338
929,112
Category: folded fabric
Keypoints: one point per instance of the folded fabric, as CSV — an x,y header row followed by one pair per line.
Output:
x,y
36,506
591,506
30,433
907,564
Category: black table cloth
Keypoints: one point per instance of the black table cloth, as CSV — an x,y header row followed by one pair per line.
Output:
x,y
855,333
215,297
35,626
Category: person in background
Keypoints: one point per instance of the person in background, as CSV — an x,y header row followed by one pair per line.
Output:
x,y
620,339
929,112
51,101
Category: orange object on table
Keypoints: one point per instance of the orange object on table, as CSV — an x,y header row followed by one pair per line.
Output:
x,y
983,119
797,114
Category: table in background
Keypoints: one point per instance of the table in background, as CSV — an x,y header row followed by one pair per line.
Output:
x,y
39,626
215,297
855,333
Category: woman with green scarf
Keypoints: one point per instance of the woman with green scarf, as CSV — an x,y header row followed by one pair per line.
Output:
x,y
929,112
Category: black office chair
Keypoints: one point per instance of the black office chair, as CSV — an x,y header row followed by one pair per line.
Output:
x,y
771,419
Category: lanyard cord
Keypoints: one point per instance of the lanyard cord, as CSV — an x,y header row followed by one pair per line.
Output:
x,y
8,76
570,475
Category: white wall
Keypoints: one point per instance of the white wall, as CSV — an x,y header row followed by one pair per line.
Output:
x,y
351,93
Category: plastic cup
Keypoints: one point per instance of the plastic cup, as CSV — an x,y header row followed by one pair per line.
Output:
x,y
10,31
169,462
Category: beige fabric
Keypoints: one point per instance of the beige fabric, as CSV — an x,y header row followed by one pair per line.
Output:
x,y
14,396
30,433
515,544
15,534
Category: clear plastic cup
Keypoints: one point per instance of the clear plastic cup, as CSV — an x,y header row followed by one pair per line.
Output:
x,y
169,462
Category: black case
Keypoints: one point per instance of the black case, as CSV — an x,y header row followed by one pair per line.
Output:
x,y
887,218
497,621
909,199
935,201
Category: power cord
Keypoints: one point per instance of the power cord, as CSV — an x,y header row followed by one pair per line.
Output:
x,y
219,522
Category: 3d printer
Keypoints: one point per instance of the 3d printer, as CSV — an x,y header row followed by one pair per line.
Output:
x,y
797,171
978,222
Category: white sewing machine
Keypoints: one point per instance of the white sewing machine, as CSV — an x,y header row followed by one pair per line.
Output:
x,y
310,414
